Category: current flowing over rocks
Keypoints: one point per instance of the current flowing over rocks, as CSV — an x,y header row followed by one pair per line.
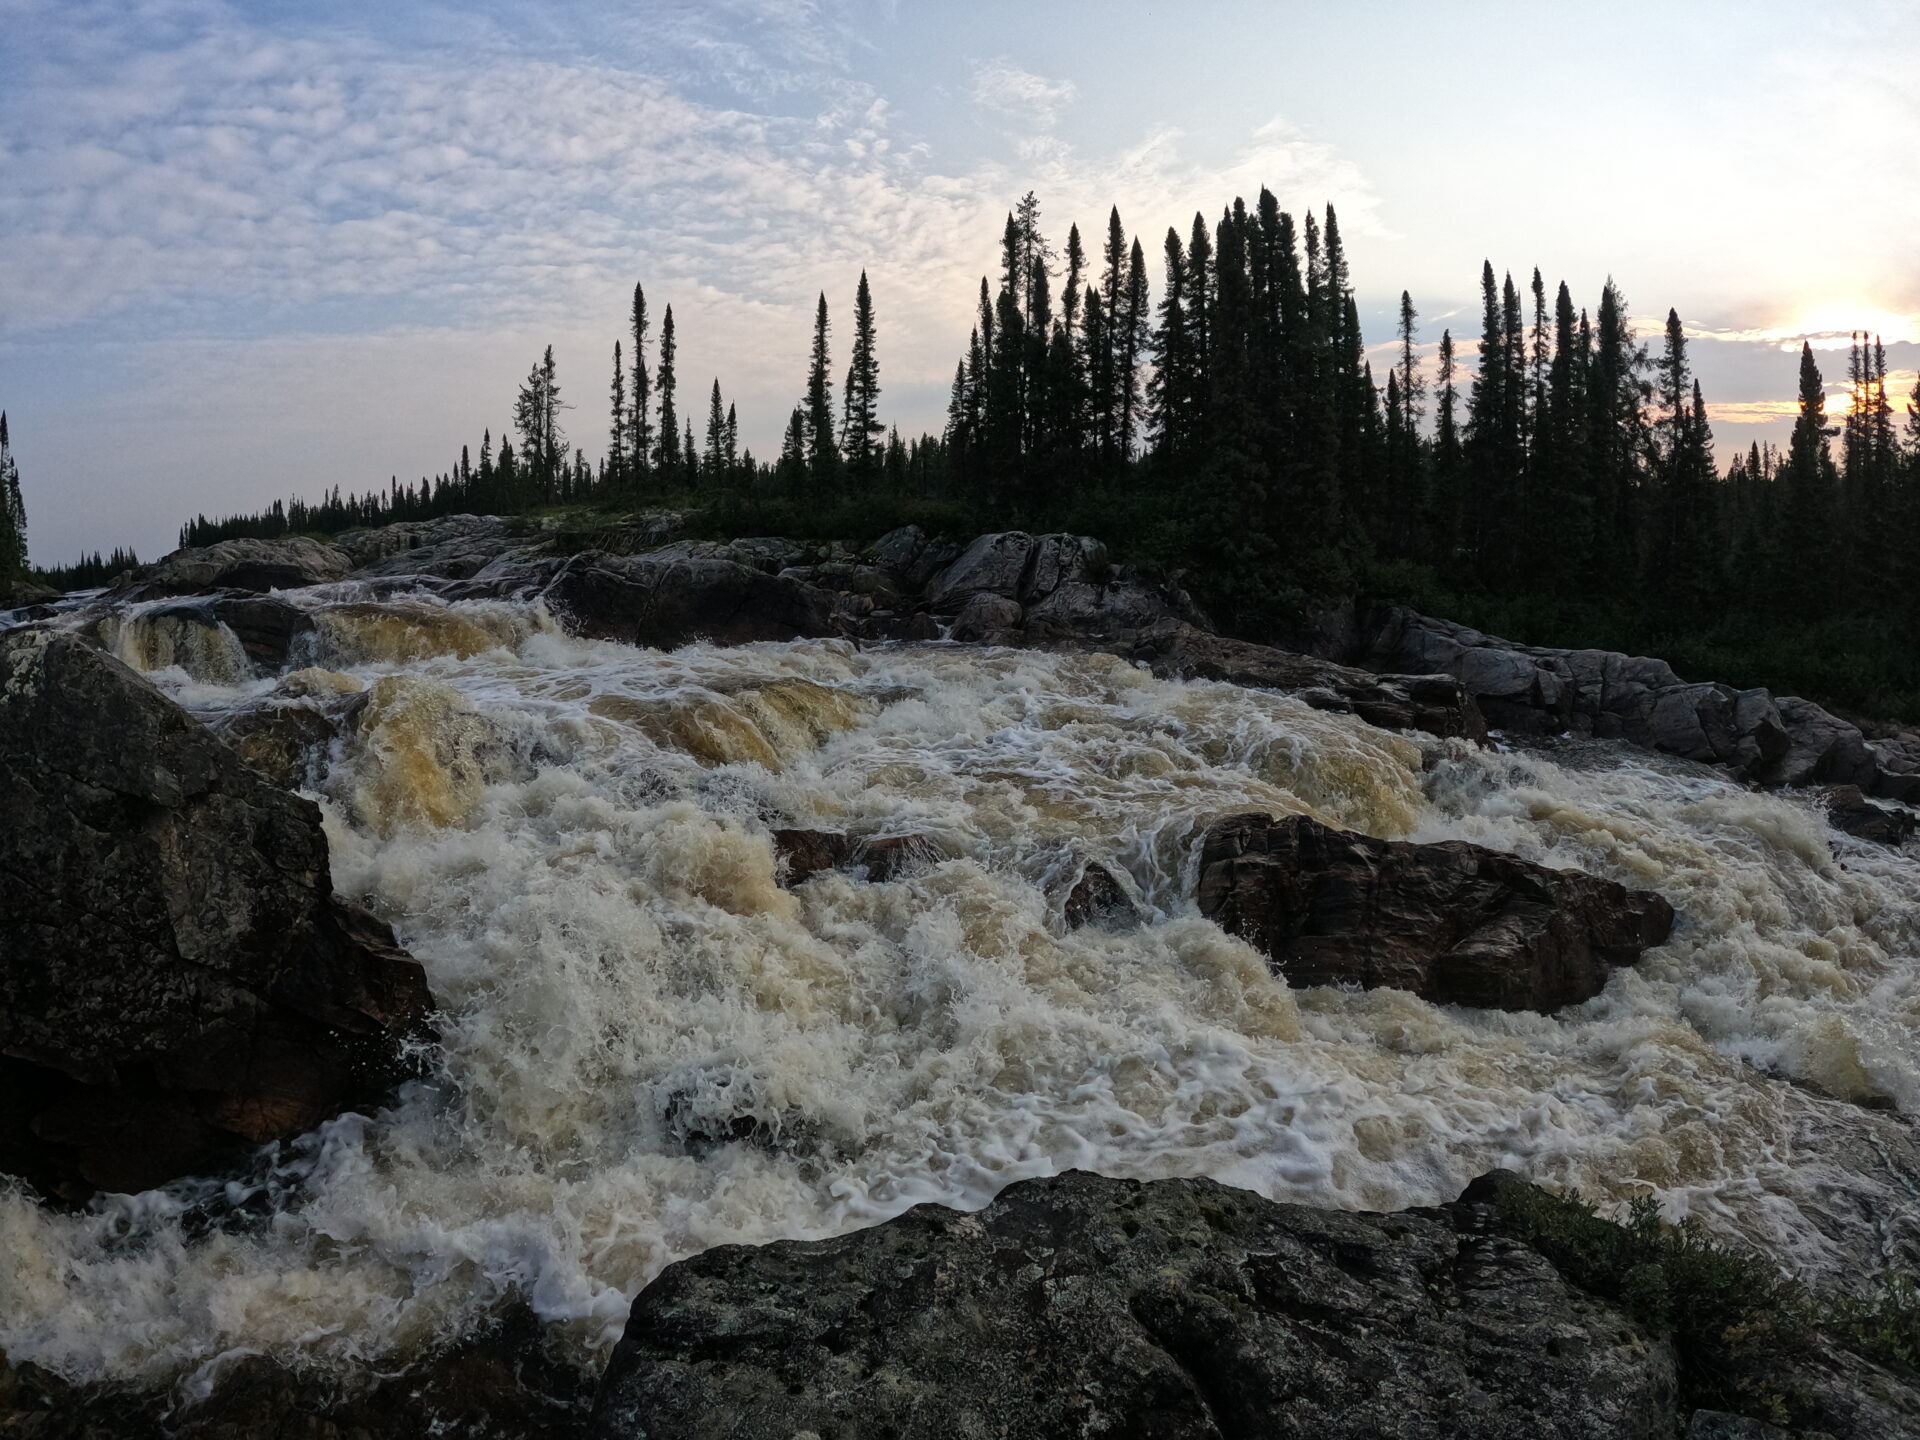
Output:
x,y
654,1038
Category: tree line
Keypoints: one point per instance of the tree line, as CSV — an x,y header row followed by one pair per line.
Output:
x,y
1559,477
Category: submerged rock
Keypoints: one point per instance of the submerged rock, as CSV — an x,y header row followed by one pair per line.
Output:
x,y
1084,1306
1098,898
1454,923
176,975
802,854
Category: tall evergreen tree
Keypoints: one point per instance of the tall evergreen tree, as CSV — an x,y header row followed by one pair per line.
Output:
x,y
861,427
1807,542
823,453
667,459
622,423
714,458
1131,338
13,515
640,447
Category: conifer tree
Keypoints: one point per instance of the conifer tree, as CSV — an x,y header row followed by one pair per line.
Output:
x,y
666,458
715,456
622,424
13,515
1806,544
640,448
823,453
861,427
1131,336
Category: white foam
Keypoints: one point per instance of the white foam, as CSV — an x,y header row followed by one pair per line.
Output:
x,y
598,912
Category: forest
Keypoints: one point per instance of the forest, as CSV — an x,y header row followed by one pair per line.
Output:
x,y
1552,479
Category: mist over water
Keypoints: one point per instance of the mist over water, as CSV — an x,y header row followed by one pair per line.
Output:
x,y
574,839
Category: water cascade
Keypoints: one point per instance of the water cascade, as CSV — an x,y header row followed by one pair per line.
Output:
x,y
651,1045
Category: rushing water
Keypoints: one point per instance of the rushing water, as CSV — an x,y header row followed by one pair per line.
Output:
x,y
574,839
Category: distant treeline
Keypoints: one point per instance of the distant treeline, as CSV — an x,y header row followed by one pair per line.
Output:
x,y
1562,484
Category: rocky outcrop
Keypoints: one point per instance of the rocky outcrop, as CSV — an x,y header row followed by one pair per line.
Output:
x,y
1453,923
1437,704
453,547
669,597
1527,689
252,566
177,977
1083,1306
1038,588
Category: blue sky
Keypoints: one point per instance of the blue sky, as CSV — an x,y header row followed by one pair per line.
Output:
x,y
259,248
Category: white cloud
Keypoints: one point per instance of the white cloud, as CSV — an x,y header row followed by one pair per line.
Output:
x,y
1016,94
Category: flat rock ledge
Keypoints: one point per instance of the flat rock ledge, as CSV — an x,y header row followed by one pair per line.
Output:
x,y
1453,922
178,980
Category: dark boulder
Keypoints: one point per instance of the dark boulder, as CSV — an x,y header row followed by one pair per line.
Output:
x,y
452,547
177,977
1084,1306
1852,813
680,594
267,628
1453,923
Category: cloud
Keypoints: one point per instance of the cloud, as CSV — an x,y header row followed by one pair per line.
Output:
x,y
1007,90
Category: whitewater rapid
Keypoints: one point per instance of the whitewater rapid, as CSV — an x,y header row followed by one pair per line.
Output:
x,y
574,839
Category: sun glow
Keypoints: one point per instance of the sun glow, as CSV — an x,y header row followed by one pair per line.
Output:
x,y
1831,326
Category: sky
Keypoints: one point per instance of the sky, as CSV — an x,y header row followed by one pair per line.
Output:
x,y
254,249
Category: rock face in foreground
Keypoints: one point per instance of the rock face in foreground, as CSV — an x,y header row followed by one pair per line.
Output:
x,y
1453,923
176,974
1082,1306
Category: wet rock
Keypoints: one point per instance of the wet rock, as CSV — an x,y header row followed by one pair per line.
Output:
x,y
1080,1306
677,595
251,566
988,620
288,736
1098,898
805,853
1437,704
267,628
1825,749
177,977
504,1380
1719,1425
1849,811
1453,923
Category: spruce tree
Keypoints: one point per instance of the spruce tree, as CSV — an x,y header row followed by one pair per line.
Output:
x,y
861,427
1806,543
823,453
13,515
622,424
715,456
666,458
640,448
1131,336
